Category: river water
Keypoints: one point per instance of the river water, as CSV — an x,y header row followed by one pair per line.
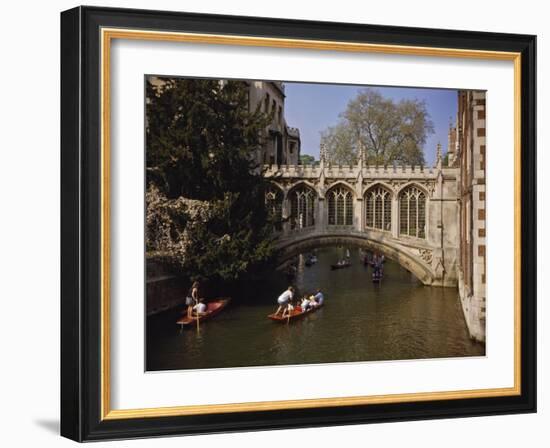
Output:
x,y
361,321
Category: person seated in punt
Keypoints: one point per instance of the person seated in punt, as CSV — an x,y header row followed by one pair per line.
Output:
x,y
306,304
312,302
378,268
200,308
319,297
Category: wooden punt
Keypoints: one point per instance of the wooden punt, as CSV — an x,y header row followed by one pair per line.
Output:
x,y
340,266
212,308
311,261
294,315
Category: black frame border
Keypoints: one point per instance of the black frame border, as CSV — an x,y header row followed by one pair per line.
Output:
x,y
81,223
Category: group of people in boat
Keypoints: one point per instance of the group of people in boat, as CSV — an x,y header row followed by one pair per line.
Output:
x,y
291,268
311,259
377,262
195,304
288,301
343,262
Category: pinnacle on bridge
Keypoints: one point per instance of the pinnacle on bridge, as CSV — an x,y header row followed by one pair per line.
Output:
x,y
323,153
438,157
362,155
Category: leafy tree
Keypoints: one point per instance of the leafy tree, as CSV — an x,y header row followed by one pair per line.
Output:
x,y
306,159
200,136
388,131
235,240
340,142
205,198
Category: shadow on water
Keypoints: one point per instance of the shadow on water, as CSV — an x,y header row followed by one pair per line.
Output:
x,y
362,321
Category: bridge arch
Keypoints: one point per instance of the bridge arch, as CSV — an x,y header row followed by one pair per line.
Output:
x,y
288,249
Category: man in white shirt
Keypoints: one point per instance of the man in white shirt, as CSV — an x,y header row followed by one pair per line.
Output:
x,y
284,299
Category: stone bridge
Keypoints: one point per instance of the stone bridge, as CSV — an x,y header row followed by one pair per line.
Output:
x,y
408,213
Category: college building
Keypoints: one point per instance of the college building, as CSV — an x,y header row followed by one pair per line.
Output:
x,y
466,151
281,143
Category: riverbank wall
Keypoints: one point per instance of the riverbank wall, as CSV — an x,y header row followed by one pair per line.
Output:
x,y
473,307
164,290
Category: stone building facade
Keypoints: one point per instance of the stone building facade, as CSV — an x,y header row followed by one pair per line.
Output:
x,y
469,147
281,143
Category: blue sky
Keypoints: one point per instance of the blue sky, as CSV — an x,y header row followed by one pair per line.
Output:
x,y
314,107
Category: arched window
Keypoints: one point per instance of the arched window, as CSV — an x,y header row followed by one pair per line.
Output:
x,y
340,206
378,209
274,204
412,212
302,207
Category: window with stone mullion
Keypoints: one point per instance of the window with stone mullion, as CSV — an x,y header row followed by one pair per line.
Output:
x,y
412,213
340,207
378,209
302,207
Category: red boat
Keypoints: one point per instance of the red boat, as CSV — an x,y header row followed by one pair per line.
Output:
x,y
212,308
296,313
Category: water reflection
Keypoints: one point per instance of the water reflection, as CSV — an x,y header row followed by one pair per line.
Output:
x,y
361,321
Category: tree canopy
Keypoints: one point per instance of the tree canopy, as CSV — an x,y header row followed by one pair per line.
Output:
x,y
306,159
205,200
389,131
200,135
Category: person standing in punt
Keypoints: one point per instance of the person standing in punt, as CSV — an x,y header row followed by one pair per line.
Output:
x,y
284,299
192,299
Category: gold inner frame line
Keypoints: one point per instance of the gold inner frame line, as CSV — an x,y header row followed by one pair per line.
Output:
x,y
107,35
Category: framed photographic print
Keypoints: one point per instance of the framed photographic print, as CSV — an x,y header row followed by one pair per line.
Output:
x,y
275,224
